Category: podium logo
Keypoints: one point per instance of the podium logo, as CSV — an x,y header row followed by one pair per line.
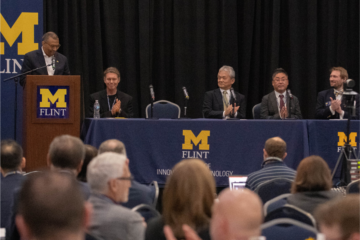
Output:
x,y
343,139
53,102
24,26
201,140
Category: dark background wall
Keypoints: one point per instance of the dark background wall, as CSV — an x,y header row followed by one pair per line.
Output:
x,y
176,43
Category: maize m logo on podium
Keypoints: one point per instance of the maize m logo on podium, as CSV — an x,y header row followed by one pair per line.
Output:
x,y
52,102
22,32
200,142
343,140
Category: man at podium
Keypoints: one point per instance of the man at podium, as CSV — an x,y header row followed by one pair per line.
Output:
x,y
53,63
113,103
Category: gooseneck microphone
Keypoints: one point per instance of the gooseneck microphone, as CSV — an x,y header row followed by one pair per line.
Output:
x,y
233,93
185,93
53,62
152,94
290,95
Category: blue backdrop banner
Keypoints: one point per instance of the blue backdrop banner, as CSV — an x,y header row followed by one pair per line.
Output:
x,y
21,32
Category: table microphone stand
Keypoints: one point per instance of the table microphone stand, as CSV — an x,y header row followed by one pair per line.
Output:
x,y
16,79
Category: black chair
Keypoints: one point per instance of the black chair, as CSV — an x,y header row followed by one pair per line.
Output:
x,y
163,109
292,212
285,228
256,111
273,188
353,187
155,186
275,203
147,211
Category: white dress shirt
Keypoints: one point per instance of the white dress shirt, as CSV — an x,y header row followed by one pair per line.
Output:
x,y
277,94
338,97
228,100
48,60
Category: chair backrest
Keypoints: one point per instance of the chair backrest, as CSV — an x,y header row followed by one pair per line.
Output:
x,y
163,109
273,188
256,111
292,212
154,184
284,229
147,211
275,203
353,187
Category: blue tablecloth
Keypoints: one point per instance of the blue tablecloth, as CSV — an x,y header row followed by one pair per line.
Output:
x,y
234,147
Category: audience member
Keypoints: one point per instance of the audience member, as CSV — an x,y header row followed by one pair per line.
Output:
x,y
312,185
110,179
218,102
236,215
66,154
12,162
51,206
187,199
273,165
90,153
339,218
280,103
139,193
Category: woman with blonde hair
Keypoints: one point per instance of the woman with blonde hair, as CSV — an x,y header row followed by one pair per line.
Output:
x,y
312,184
187,199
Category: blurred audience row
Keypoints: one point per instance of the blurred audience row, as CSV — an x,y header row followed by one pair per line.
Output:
x,y
91,194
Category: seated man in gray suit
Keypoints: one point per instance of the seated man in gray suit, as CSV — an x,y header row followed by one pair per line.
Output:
x,y
110,179
280,103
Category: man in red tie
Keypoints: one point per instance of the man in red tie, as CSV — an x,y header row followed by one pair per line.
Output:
x,y
280,104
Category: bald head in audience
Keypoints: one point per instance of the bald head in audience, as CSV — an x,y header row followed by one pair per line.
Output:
x,y
112,145
339,218
236,215
51,206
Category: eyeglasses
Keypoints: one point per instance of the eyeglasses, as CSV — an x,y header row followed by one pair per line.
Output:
x,y
54,46
126,178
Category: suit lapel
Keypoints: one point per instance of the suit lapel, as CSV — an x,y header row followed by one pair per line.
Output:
x,y
41,60
218,98
273,103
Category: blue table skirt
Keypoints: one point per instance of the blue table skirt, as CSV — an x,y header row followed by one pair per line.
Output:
x,y
232,147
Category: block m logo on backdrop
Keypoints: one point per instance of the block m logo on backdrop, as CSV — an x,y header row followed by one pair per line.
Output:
x,y
24,26
190,137
343,139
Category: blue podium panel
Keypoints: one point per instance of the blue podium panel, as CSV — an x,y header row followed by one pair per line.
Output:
x,y
327,137
228,147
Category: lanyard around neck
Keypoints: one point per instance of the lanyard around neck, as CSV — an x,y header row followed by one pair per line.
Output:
x,y
109,102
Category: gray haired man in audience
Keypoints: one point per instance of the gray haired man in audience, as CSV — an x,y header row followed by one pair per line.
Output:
x,y
51,206
110,179
236,215
138,193
339,219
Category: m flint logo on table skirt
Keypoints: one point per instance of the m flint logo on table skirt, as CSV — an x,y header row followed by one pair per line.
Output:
x,y
52,102
343,139
200,141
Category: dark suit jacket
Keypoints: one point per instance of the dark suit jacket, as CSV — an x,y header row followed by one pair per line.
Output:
x,y
139,194
8,185
36,59
323,106
126,105
213,106
269,108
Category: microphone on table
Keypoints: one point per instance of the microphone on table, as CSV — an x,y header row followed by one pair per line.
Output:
x,y
185,93
290,95
233,93
152,94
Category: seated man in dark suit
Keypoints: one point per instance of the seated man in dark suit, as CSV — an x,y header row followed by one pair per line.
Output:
x,y
113,103
138,193
45,56
330,103
12,162
218,102
280,104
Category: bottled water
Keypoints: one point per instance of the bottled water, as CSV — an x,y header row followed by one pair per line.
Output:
x,y
96,109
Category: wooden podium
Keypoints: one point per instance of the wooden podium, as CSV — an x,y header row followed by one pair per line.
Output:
x,y
51,108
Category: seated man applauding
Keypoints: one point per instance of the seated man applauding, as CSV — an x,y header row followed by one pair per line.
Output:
x,y
113,103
